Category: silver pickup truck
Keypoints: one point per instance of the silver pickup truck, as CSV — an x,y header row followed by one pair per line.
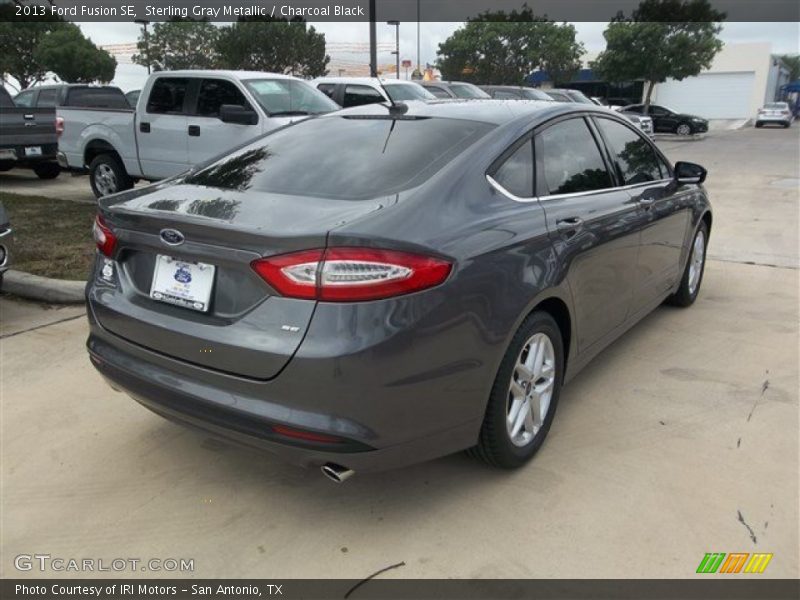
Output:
x,y
27,138
182,118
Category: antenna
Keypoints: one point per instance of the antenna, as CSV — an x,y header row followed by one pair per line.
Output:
x,y
396,107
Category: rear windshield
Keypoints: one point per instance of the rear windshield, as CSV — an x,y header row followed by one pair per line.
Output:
x,y
776,105
398,92
90,97
344,157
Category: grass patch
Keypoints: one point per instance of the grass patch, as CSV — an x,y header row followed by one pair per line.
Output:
x,y
52,238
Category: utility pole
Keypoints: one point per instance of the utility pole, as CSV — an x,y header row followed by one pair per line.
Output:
x,y
418,15
373,49
396,44
144,23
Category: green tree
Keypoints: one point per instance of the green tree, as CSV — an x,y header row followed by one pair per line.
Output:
x,y
792,63
73,58
18,41
661,39
279,46
504,48
179,44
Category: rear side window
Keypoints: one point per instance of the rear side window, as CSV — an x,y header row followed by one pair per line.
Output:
x,y
358,95
516,173
384,156
46,99
24,99
167,96
92,97
570,159
5,99
634,158
329,89
504,95
216,92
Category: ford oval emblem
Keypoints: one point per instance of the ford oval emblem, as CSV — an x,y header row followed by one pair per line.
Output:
x,y
173,237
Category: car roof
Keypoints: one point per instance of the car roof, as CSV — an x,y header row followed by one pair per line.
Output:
x,y
364,80
497,112
225,73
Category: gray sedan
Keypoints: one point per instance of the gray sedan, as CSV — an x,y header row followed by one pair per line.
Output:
x,y
389,284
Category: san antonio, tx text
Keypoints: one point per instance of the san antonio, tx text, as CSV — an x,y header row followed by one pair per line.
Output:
x,y
210,12
159,591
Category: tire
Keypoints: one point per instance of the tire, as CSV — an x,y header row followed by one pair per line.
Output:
x,y
496,445
684,129
759,124
7,165
47,170
107,176
692,279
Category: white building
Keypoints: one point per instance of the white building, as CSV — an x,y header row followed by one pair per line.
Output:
x,y
741,79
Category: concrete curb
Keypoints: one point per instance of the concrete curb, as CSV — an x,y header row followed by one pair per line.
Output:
x,y
43,289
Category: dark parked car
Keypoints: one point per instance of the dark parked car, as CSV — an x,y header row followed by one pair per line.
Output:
x,y
454,89
72,95
511,92
28,138
666,120
380,286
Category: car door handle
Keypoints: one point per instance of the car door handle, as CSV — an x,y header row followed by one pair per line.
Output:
x,y
570,224
144,127
194,130
646,203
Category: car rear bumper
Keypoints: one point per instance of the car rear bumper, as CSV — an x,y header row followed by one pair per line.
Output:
x,y
244,413
778,119
22,157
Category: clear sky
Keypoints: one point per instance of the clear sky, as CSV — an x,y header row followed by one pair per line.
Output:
x,y
785,39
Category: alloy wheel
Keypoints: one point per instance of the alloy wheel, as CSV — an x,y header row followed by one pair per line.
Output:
x,y
105,180
696,261
684,129
531,389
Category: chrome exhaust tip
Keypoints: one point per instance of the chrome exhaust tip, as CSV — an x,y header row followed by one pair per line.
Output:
x,y
336,473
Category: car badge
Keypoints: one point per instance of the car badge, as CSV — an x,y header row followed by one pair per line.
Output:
x,y
172,237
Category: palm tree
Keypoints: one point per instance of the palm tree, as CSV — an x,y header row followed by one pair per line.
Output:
x,y
792,62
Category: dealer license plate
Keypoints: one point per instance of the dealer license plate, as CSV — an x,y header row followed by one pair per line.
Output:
x,y
33,151
183,283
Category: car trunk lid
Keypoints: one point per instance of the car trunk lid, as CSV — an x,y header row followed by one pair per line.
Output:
x,y
247,329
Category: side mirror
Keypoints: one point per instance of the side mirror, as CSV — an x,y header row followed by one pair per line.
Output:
x,y
686,172
235,113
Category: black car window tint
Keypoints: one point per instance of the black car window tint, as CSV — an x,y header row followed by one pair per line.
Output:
x,y
167,96
634,157
571,160
216,92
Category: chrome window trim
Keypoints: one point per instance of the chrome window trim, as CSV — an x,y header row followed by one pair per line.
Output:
x,y
522,200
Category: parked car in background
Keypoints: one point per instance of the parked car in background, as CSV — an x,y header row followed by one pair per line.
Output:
x,y
6,240
666,120
578,97
777,113
373,288
72,94
358,91
182,118
133,97
27,138
454,89
513,92
603,102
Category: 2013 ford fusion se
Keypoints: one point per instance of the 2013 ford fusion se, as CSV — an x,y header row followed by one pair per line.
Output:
x,y
389,284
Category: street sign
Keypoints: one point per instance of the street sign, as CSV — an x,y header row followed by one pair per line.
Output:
x,y
406,64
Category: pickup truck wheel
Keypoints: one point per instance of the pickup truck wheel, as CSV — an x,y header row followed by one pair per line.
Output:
x,y
107,176
47,170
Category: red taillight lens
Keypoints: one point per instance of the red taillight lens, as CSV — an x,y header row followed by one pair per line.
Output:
x,y
103,236
309,436
351,274
59,126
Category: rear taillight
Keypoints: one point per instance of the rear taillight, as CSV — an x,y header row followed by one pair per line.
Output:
x,y
104,237
59,126
350,274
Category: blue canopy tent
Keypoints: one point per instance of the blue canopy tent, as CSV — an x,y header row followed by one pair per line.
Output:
x,y
794,86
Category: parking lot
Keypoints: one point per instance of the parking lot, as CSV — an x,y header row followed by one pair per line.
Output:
x,y
680,439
